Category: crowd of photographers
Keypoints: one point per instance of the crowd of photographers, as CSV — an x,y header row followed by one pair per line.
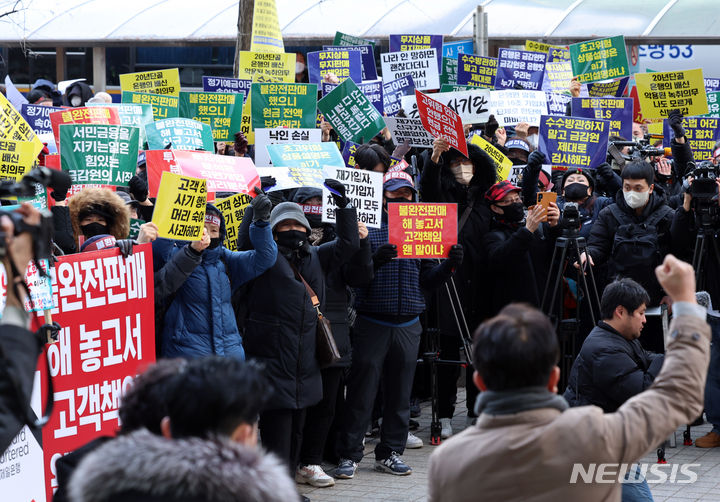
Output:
x,y
260,304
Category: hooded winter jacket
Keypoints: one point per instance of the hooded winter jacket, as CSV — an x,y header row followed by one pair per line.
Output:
x,y
200,320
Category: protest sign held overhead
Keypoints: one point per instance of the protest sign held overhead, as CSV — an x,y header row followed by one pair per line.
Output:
x,y
441,121
419,64
363,188
350,113
409,129
557,103
264,137
477,71
394,90
266,34
574,142
165,82
287,178
179,134
403,43
449,73
534,46
557,54
472,106
511,107
348,153
702,133
501,161
180,207
713,101
98,153
227,84
345,39
617,110
137,115
661,92
343,63
614,88
38,116
163,107
14,127
233,210
16,158
522,68
557,76
422,230
267,67
84,115
306,155
367,56
454,49
601,59
283,105
711,84
372,90
222,111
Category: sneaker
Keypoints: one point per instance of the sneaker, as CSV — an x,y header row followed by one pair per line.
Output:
x,y
313,475
446,428
345,469
393,465
709,440
413,441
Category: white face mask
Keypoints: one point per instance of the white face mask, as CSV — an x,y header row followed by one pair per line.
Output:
x,y
463,173
533,140
75,100
636,199
299,67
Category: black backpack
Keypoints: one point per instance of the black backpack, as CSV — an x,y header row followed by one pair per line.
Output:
x,y
636,247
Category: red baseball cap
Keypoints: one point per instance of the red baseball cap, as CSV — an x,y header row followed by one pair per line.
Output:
x,y
500,190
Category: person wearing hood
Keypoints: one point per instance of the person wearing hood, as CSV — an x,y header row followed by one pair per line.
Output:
x,y
77,94
200,320
310,200
450,177
280,320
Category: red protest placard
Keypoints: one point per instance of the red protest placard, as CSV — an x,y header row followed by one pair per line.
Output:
x,y
422,230
83,115
53,162
105,306
223,173
440,120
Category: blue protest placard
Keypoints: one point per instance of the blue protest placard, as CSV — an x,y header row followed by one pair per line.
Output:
x,y
574,142
454,49
557,54
227,84
348,153
343,62
557,76
523,68
372,90
477,71
557,103
393,92
38,116
619,111
712,84
305,155
600,89
401,43
369,69
700,132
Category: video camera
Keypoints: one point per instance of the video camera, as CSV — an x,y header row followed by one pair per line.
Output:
x,y
570,221
641,149
704,191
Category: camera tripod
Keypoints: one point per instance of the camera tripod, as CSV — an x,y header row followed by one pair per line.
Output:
x,y
705,241
570,247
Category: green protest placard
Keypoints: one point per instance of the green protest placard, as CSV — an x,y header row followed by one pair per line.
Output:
x,y
132,114
455,88
600,59
351,113
179,134
283,105
134,228
713,101
222,111
99,154
163,107
345,39
449,71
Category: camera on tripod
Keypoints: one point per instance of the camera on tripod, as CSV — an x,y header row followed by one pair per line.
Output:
x,y
704,191
570,219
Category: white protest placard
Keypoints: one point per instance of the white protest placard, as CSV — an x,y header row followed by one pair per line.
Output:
x,y
511,106
264,137
421,64
410,129
363,188
472,106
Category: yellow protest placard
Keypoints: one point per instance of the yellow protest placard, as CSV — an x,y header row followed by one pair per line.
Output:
x,y
266,34
14,127
16,158
532,45
156,82
246,124
180,207
503,163
267,66
233,210
661,92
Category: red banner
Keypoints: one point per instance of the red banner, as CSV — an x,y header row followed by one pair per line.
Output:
x,y
441,121
105,306
83,115
422,230
223,173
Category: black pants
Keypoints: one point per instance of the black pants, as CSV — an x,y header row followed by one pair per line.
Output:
x,y
387,354
281,433
319,418
448,376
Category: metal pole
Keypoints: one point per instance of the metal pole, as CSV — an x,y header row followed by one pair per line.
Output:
x,y
99,73
244,31
480,31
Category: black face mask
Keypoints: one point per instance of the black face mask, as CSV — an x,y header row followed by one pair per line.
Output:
x,y
514,212
396,199
291,239
576,191
92,229
315,220
215,242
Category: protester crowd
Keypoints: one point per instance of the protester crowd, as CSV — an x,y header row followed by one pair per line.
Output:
x,y
236,331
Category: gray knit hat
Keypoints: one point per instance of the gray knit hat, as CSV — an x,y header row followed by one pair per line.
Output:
x,y
288,211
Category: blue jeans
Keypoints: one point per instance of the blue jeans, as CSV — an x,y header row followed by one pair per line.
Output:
x,y
712,384
637,489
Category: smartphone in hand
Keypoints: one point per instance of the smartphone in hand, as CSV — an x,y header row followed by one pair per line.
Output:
x,y
544,199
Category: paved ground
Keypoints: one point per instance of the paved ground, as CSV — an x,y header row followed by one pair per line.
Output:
x,y
369,485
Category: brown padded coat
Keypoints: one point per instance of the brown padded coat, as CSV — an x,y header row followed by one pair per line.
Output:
x,y
109,201
529,456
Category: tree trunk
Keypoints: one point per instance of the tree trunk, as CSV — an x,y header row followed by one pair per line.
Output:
x,y
244,31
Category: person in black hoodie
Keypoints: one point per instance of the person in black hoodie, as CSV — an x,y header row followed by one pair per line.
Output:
x,y
450,177
77,94
669,174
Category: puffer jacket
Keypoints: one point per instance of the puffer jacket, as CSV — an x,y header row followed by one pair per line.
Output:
x,y
200,320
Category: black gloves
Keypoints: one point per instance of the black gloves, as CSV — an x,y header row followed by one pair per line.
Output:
x,y
138,188
383,255
337,190
267,182
59,195
536,160
261,207
675,119
491,127
126,246
604,170
455,256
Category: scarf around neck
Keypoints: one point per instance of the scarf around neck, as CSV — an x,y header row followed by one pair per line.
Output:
x,y
507,402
